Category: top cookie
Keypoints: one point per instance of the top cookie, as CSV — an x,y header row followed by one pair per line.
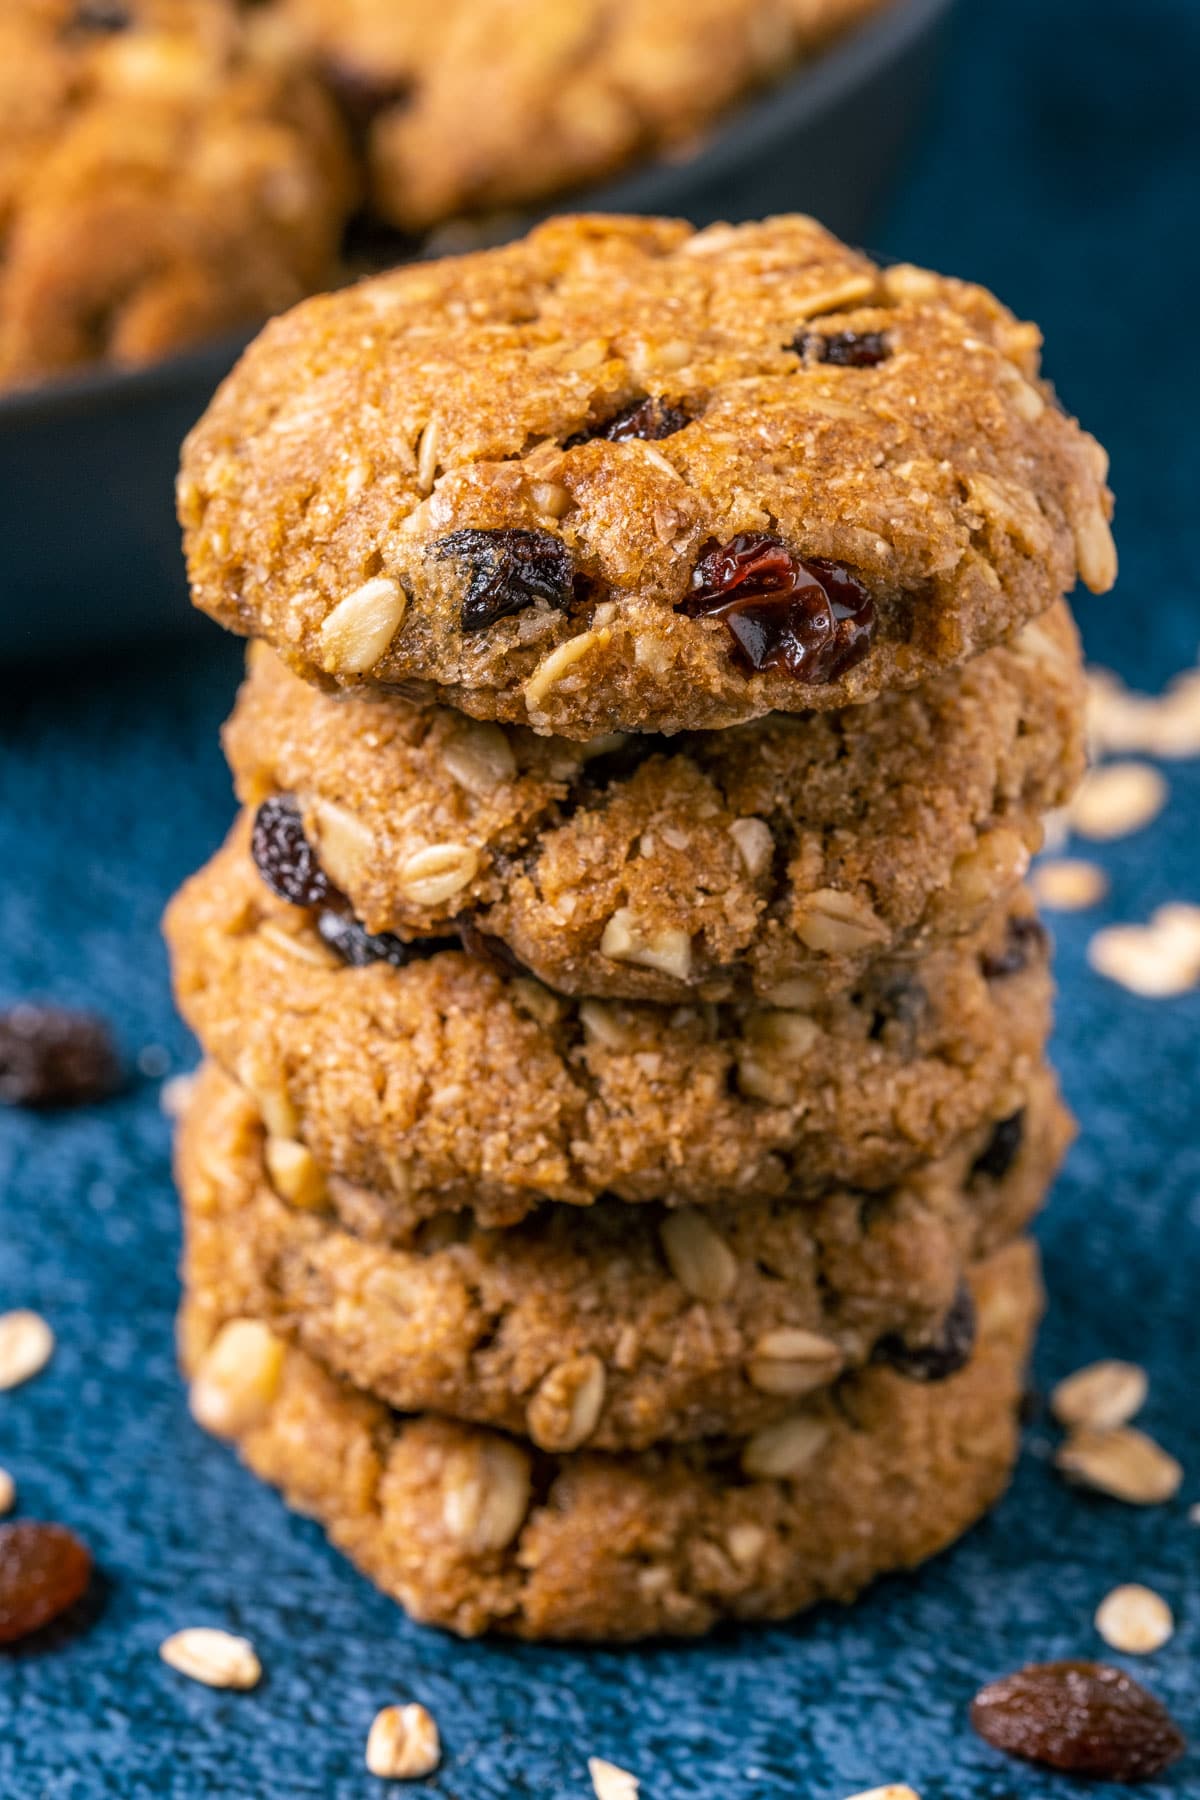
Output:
x,y
625,476
477,104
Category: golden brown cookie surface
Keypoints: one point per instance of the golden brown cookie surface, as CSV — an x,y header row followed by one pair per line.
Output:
x,y
624,476
771,859
616,1327
877,1474
448,1083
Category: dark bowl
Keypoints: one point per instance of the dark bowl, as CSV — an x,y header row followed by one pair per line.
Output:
x,y
87,465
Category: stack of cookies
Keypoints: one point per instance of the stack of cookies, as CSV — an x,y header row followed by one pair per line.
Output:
x,y
627,1092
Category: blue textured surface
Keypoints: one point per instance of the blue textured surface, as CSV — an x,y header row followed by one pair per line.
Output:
x,y
1059,166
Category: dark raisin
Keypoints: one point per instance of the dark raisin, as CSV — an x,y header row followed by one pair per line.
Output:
x,y
283,855
1025,939
44,1569
509,570
486,949
108,16
1000,1152
652,419
52,1056
1083,1718
363,96
845,349
360,947
941,1356
901,1000
813,618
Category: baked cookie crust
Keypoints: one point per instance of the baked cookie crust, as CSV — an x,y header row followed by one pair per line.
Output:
x,y
779,858
617,1327
624,476
472,1531
450,1083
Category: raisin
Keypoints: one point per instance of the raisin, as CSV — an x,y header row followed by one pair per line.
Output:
x,y
1025,939
813,618
283,855
902,1000
509,570
52,1056
360,947
100,15
1000,1152
650,419
44,1569
1083,1718
483,948
845,349
942,1355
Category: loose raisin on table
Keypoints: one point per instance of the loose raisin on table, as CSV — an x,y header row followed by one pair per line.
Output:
x,y
283,855
509,570
650,419
360,948
44,1569
53,1056
845,349
813,618
1026,939
1083,1718
943,1355
1000,1152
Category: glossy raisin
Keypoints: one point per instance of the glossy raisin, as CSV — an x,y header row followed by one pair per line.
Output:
x,y
44,1569
649,419
1083,1718
53,1056
1025,941
845,349
941,1356
360,948
1000,1152
508,571
283,855
812,618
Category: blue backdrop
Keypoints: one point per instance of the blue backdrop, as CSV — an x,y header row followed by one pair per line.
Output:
x,y
1059,165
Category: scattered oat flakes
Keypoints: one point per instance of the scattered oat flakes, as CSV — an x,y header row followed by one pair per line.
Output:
x,y
1118,798
216,1658
403,1743
1155,960
1125,1464
1121,721
1194,1513
1103,1395
1068,884
897,1790
26,1346
8,1493
1134,1619
174,1095
611,1783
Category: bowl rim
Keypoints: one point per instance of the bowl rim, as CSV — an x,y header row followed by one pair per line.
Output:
x,y
743,133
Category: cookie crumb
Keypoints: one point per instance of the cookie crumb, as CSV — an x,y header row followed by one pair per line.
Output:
x,y
1102,1396
403,1743
1124,1463
610,1782
1069,884
26,1346
8,1493
1135,1619
216,1658
1117,799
